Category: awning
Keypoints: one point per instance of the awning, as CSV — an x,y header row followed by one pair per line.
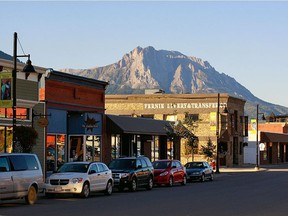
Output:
x,y
273,137
132,125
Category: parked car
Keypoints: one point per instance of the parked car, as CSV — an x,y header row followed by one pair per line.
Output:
x,y
132,172
80,178
199,171
169,172
21,176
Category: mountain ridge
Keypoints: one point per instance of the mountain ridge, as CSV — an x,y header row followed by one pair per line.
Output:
x,y
172,71
175,73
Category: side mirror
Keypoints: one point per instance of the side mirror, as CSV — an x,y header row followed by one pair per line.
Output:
x,y
173,167
139,167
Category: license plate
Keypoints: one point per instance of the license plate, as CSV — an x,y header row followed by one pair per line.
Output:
x,y
58,189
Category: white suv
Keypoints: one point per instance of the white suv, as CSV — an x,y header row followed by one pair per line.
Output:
x,y
21,176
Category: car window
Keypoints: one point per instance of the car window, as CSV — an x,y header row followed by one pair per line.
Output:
x,y
31,162
4,166
194,165
174,164
148,161
104,167
94,167
18,162
178,164
122,164
138,163
101,167
73,167
161,164
144,164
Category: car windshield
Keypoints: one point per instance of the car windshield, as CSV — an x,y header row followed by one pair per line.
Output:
x,y
194,165
161,164
122,164
79,168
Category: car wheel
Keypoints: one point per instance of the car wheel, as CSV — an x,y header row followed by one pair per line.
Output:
x,y
109,188
202,179
85,190
184,180
170,183
31,196
150,183
133,185
212,177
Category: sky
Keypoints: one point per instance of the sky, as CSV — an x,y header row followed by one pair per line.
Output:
x,y
247,40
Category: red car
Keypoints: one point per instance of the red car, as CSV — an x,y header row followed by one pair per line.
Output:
x,y
169,172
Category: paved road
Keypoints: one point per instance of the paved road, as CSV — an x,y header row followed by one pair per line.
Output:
x,y
235,192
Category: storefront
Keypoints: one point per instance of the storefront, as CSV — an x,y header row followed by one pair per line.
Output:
x,y
27,104
75,110
129,136
202,109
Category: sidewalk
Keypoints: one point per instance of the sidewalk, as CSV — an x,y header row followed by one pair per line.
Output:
x,y
252,168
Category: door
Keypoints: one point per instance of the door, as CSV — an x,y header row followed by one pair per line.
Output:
x,y
103,173
76,148
94,177
6,184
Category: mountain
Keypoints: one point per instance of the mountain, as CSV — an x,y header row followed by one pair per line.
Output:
x,y
175,73
172,71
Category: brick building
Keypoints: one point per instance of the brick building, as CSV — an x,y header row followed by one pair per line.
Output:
x,y
202,108
274,138
75,111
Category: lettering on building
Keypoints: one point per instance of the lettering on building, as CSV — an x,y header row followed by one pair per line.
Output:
x,y
157,106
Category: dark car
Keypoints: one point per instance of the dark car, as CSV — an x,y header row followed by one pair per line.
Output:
x,y
169,172
132,172
199,171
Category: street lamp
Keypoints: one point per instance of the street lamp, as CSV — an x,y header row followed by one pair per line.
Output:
x,y
28,68
218,132
257,142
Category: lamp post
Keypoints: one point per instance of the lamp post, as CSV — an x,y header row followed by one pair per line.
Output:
x,y
27,69
218,132
257,142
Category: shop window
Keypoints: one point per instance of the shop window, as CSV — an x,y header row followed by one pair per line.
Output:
x,y
6,139
115,144
55,152
21,113
155,149
93,148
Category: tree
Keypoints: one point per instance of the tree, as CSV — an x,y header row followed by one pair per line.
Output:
x,y
209,150
185,130
25,138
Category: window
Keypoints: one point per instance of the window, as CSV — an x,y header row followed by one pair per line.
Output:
x,y
144,164
138,163
94,167
21,113
31,162
18,163
4,166
192,117
101,167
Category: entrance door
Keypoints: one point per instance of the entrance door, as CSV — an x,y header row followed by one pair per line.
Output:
x,y
76,148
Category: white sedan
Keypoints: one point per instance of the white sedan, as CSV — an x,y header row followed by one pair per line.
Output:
x,y
80,178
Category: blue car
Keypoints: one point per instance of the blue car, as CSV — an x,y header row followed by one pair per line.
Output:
x,y
199,171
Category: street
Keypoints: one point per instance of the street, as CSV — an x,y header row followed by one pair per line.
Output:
x,y
232,193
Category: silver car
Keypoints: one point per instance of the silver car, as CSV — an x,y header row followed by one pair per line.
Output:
x,y
20,177
80,178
